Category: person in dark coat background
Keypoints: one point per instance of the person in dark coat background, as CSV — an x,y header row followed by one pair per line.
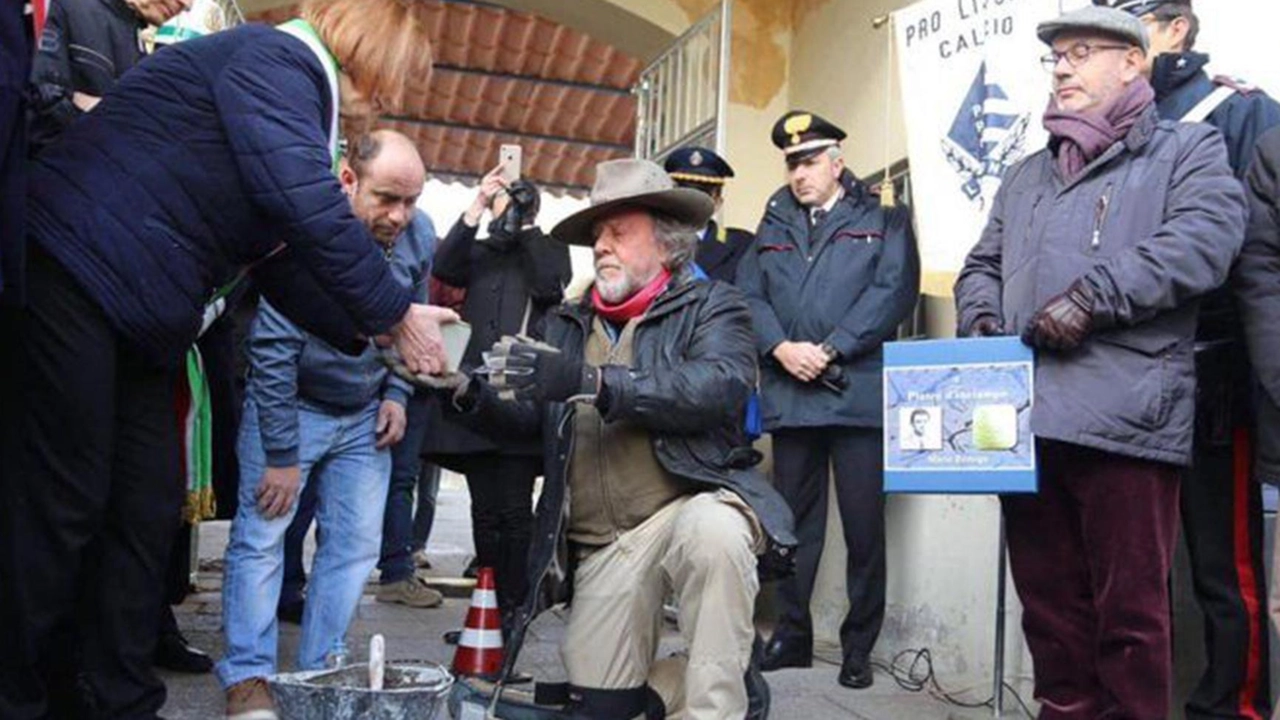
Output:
x,y
830,278
84,48
15,60
1098,250
1220,502
15,63
719,248
196,166
1256,280
512,277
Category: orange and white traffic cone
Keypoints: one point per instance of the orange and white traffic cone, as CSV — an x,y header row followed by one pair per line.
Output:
x,y
479,652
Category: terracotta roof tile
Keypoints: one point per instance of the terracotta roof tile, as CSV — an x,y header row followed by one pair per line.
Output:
x,y
505,76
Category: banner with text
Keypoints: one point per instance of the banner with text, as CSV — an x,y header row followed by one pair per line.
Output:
x,y
973,93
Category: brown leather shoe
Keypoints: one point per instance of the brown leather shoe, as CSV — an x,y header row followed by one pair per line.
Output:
x,y
411,591
251,700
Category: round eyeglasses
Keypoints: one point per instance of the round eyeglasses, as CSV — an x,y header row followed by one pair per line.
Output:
x,y
1076,55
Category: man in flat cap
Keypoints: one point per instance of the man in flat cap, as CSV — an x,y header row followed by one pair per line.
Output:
x,y
637,393
1221,505
831,276
1097,251
719,248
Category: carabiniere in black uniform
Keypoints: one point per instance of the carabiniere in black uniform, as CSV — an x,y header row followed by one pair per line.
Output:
x,y
1219,500
719,248
842,274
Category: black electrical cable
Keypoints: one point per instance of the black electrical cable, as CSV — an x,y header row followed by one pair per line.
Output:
x,y
918,676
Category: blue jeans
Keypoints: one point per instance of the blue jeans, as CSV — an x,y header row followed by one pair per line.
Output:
x,y
336,454
399,526
403,530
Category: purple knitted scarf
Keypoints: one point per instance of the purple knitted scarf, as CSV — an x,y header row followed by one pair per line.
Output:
x,y
1083,136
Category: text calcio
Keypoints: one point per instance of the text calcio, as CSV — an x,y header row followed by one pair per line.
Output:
x,y
981,20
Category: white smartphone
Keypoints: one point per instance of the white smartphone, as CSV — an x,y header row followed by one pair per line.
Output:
x,y
510,157
456,336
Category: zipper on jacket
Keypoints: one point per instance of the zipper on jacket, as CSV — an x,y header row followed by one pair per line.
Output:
x,y
1100,217
1031,217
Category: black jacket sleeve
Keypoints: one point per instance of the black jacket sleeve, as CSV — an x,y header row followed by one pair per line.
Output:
x,y
1248,117
52,110
485,412
548,266
452,262
1256,277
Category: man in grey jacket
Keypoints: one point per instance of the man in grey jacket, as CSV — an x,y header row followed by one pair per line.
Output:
x,y
1097,251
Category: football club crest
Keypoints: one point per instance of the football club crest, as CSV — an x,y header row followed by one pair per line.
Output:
x,y
987,136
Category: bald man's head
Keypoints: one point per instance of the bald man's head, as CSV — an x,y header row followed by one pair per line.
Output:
x,y
383,175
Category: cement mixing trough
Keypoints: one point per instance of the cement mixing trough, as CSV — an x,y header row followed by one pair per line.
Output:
x,y
412,691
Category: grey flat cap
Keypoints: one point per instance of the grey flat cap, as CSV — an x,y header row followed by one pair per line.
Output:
x,y
1094,18
634,183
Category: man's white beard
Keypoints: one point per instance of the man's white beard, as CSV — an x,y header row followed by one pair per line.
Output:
x,y
617,289
621,287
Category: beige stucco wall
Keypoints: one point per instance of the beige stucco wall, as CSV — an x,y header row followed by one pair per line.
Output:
x,y
839,66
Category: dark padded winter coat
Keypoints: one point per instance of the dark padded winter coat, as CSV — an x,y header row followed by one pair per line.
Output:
x,y
1151,225
851,285
199,162
1257,284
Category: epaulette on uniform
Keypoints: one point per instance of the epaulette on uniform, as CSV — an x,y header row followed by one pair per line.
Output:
x,y
1237,84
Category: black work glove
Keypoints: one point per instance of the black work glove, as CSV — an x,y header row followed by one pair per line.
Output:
x,y
986,326
1064,321
528,369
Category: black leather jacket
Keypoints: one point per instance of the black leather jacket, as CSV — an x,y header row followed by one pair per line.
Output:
x,y
694,367
85,47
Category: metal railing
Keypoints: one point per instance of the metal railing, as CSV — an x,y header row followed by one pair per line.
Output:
x,y
682,94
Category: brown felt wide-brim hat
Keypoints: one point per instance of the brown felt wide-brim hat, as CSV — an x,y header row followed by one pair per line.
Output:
x,y
634,183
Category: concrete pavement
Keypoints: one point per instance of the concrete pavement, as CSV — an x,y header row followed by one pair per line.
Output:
x,y
809,694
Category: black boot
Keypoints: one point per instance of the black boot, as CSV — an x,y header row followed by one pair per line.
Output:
x,y
173,652
758,695
785,651
855,672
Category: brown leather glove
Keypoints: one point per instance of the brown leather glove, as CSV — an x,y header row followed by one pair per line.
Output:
x,y
1064,321
986,326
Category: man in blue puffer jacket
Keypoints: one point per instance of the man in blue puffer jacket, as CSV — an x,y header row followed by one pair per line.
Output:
x,y
195,167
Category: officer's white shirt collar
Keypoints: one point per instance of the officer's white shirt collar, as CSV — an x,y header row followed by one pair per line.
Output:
x,y
827,206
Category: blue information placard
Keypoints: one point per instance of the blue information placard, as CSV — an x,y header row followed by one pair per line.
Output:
x,y
957,416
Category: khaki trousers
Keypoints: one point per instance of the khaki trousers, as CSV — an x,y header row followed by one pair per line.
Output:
x,y
703,547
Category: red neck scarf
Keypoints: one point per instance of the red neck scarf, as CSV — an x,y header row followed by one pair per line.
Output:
x,y
634,306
